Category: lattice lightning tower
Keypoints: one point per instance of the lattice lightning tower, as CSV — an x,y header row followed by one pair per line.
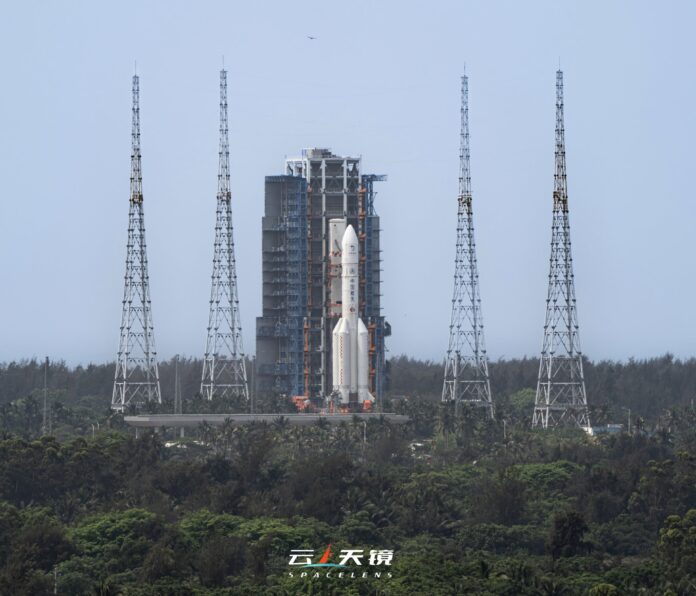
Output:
x,y
137,379
224,370
466,365
560,396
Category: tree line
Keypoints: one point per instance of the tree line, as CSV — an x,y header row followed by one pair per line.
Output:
x,y
649,387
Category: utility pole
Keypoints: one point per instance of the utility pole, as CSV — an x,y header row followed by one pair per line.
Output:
x,y
560,396
177,387
178,404
629,421
466,364
45,426
136,380
252,396
224,369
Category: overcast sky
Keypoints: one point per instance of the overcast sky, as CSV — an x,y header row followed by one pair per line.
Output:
x,y
381,81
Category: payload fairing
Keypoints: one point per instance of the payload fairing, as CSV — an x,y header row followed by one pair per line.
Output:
x,y
350,336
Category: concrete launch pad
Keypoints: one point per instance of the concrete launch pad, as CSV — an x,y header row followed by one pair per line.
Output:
x,y
194,420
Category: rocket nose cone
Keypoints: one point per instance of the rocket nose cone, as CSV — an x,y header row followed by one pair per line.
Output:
x,y
349,249
349,236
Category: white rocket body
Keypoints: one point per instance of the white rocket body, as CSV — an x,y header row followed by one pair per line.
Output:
x,y
350,337
337,229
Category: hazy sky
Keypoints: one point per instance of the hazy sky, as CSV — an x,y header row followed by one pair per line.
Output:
x,y
381,81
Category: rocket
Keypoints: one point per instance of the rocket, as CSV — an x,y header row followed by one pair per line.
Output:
x,y
350,336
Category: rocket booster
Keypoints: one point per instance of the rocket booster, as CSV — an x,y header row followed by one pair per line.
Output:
x,y
350,337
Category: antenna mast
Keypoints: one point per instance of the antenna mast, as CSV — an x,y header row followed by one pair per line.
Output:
x,y
560,396
224,369
466,364
136,380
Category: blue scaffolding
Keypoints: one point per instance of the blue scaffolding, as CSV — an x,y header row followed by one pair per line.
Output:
x,y
376,324
280,330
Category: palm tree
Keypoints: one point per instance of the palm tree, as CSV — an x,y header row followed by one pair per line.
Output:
x,y
227,436
445,422
206,432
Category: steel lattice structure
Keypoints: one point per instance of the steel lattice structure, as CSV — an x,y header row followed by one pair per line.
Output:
x,y
466,365
224,369
560,396
136,380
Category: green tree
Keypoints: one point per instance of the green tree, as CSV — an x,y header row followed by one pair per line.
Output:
x,y
677,545
220,557
566,536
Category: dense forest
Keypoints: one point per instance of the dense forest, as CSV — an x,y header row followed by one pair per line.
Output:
x,y
79,396
466,505
464,508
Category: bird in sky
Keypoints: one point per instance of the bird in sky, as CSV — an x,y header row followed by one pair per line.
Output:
x,y
311,37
